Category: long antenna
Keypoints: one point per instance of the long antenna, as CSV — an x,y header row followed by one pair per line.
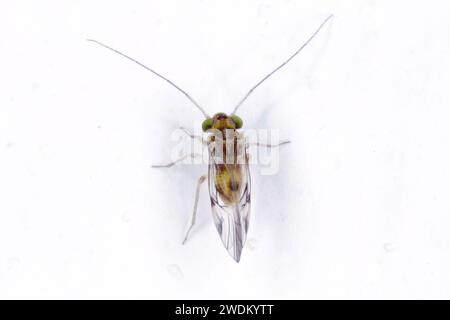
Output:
x,y
283,64
154,72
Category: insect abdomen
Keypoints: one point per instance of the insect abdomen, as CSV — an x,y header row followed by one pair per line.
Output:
x,y
229,182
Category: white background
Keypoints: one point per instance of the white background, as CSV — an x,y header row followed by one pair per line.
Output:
x,y
359,209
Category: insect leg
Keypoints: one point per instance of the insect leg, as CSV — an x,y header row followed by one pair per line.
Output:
x,y
194,213
268,145
170,164
193,136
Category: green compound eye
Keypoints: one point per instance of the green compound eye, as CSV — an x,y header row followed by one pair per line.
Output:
x,y
237,121
207,124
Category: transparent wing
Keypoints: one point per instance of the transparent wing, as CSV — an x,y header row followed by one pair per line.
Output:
x,y
229,190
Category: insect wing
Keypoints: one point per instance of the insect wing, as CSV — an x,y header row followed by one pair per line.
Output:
x,y
231,216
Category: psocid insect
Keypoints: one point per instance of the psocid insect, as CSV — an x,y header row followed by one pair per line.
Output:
x,y
228,170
